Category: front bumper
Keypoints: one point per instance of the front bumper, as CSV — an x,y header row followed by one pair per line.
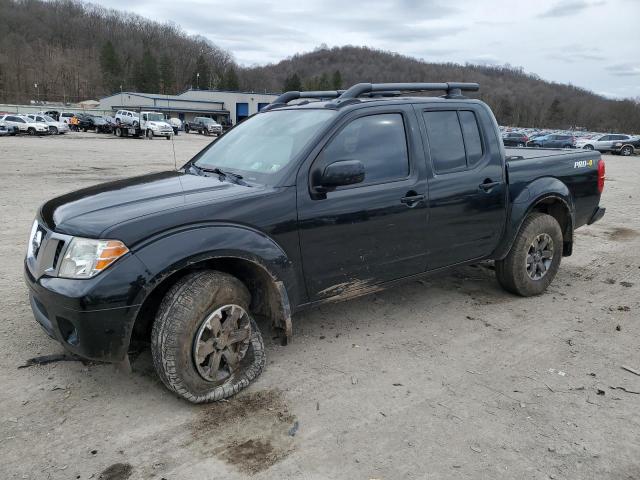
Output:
x,y
91,318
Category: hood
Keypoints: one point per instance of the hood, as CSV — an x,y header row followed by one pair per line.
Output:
x,y
91,211
159,124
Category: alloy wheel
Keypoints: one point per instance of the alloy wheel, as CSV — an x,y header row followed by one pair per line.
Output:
x,y
539,256
221,343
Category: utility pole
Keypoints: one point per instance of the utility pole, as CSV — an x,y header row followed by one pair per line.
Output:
x,y
198,81
35,85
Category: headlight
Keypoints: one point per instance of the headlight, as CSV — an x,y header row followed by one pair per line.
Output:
x,y
86,257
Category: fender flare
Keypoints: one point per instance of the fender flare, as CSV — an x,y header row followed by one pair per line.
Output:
x,y
538,191
175,251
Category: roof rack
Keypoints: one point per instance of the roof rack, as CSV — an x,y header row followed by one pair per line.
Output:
x,y
453,89
287,97
372,90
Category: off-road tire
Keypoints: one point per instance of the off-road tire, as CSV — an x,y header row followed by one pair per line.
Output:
x,y
512,271
182,311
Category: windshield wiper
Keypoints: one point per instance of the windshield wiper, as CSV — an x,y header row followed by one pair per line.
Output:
x,y
235,177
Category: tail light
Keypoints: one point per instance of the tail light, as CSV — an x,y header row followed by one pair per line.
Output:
x,y
600,175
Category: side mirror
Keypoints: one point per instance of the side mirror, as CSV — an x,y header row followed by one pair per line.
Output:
x,y
343,172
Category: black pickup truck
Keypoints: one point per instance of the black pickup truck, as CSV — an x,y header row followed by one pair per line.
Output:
x,y
339,195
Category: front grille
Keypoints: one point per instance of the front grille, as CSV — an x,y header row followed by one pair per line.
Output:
x,y
56,255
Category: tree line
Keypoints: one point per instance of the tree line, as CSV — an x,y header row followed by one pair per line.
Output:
x,y
517,98
65,50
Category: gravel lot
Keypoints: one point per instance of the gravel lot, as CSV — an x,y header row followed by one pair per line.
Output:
x,y
448,377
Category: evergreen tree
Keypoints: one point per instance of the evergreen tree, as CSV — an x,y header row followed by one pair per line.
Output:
x,y
323,83
202,68
147,78
556,114
167,75
230,80
337,80
292,83
110,66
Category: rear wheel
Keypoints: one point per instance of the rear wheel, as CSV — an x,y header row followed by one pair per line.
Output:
x,y
520,144
626,151
205,344
54,130
534,258
118,132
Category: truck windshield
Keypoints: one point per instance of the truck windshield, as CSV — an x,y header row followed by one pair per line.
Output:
x,y
264,144
155,117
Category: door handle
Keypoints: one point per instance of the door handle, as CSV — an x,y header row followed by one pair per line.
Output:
x,y
488,185
412,200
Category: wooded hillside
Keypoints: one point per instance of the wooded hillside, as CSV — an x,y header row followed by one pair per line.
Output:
x,y
76,51
517,98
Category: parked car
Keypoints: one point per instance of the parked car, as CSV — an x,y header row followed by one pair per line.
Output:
x,y
554,140
7,130
185,259
204,125
176,124
513,139
55,114
65,117
25,124
626,147
602,143
53,125
127,118
95,123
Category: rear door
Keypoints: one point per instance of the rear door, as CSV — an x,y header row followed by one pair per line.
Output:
x,y
368,233
603,143
467,191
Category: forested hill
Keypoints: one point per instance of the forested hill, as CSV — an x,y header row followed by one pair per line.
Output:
x,y
76,51
517,98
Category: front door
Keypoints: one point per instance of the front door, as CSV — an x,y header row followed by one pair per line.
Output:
x,y
364,234
466,185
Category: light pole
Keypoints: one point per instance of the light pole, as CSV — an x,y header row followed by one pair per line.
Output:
x,y
121,94
198,81
35,85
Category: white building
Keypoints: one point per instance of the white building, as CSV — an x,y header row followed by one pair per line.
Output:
x,y
217,104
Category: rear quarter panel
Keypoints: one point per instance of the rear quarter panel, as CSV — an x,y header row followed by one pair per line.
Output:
x,y
536,174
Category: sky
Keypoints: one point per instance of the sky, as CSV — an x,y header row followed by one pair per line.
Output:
x,y
592,44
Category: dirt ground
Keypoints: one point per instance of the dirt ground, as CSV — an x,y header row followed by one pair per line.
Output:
x,y
448,377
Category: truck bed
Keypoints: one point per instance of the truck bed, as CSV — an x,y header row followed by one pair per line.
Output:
x,y
527,153
577,169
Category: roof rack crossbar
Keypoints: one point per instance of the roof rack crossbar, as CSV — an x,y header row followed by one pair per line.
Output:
x,y
287,97
452,88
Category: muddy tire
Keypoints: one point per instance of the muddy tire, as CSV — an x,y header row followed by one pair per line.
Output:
x,y
204,320
534,258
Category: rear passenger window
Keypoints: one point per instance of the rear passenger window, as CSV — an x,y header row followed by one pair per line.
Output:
x,y
471,134
449,132
378,141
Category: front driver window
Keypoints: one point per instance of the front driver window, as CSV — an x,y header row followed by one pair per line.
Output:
x,y
378,141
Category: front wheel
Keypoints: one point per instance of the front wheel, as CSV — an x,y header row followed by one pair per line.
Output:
x,y
534,258
588,147
149,135
31,131
205,344
520,144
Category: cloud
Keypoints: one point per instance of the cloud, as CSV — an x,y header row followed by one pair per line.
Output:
x,y
569,8
624,70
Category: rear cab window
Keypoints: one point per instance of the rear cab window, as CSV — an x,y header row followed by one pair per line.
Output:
x,y
454,139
